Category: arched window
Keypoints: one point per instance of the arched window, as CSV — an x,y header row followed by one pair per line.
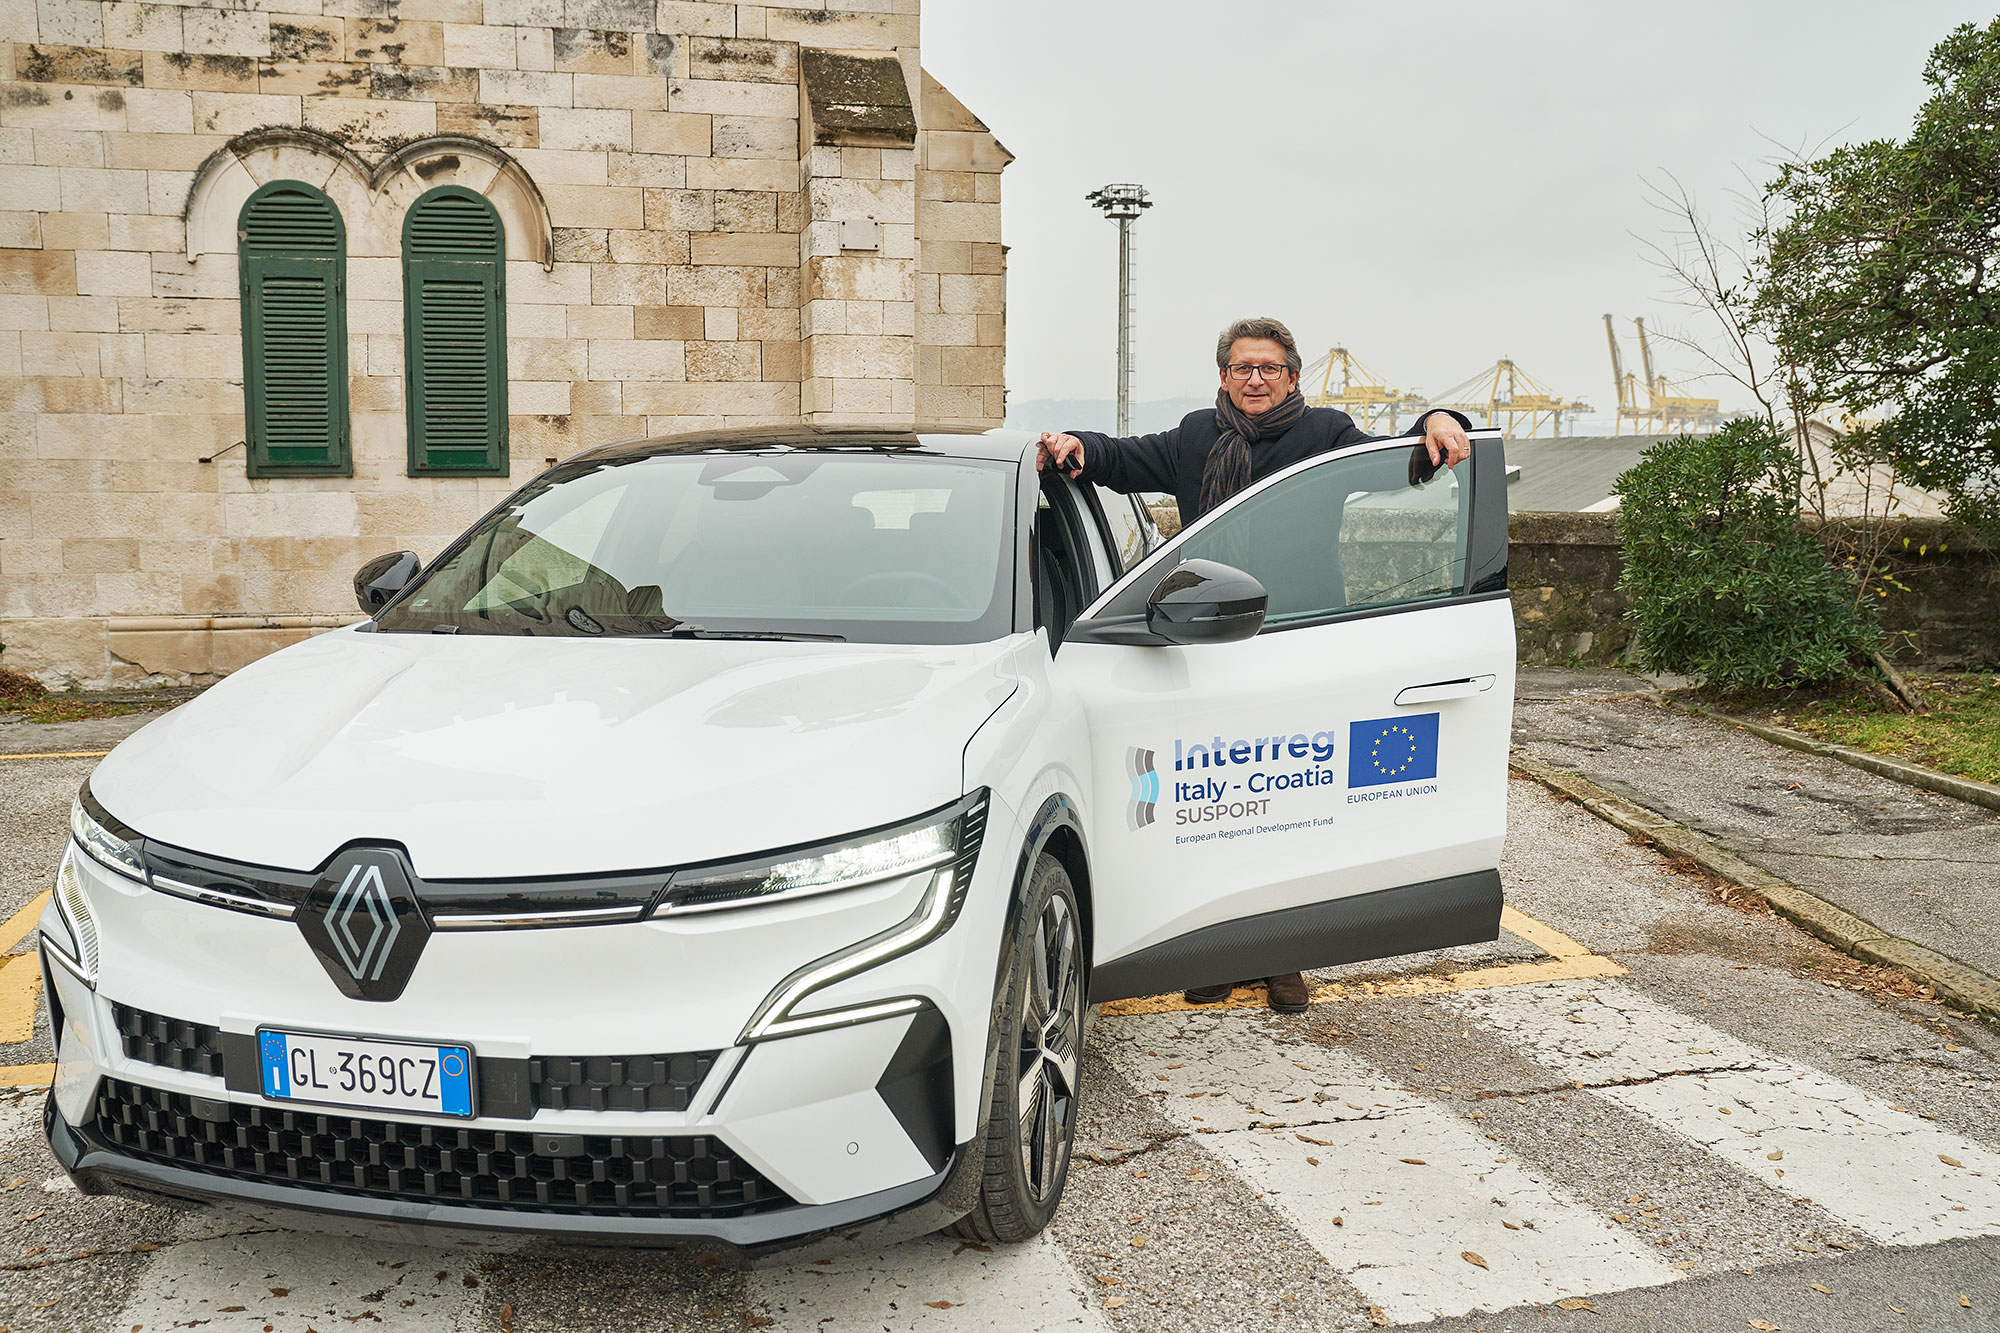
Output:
x,y
455,319
292,264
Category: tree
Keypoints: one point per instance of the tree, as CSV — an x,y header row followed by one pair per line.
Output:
x,y
1879,283
1724,582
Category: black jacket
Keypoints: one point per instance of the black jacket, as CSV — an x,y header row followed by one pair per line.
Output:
x,y
1173,460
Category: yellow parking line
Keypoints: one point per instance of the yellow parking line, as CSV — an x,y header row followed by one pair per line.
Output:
x,y
20,987
60,754
23,921
1569,961
27,1076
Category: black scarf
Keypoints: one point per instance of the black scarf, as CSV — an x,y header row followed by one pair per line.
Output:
x,y
1227,470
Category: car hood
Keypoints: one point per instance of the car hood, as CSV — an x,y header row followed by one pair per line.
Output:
x,y
492,757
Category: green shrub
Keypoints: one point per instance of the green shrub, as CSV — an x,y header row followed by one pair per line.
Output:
x,y
1724,583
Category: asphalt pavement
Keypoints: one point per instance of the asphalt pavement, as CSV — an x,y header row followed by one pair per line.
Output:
x,y
1641,1107
1913,863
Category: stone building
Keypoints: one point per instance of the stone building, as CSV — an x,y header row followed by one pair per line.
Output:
x,y
291,284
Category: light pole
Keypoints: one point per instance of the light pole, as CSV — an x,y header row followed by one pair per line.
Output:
x,y
1122,204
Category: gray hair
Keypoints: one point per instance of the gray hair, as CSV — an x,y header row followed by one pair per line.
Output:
x,y
1259,328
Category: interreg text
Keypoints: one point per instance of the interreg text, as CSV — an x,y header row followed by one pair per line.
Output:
x,y
1275,763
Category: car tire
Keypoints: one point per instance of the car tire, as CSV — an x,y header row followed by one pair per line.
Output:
x,y
1037,1077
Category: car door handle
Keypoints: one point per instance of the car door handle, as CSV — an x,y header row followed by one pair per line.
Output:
x,y
1443,689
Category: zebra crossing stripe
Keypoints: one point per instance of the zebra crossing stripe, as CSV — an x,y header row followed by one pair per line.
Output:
x,y
1393,1190
1879,1167
936,1285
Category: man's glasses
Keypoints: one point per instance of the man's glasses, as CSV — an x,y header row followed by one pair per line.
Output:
x,y
1240,372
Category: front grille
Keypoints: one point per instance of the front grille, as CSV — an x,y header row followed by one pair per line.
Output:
x,y
618,1082
555,1082
693,1176
173,1043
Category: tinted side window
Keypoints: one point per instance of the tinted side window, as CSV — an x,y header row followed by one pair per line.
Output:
x,y
1369,530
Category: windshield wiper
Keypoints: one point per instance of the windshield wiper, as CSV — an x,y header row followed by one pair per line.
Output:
x,y
686,630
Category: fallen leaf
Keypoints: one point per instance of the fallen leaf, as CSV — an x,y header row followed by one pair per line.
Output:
x,y
1725,1110
1114,1302
1576,1303
1107,1279
1620,1217
1472,1258
1964,1302
229,1309
13,1185
144,1247
1197,1175
1138,1242
1825,1291
939,1305
506,1319
1635,1198
1340,1221
1899,1309
1415,1161
1312,1161
1949,1161
1318,1143
1509,1225
1376,1317
1777,1156
1766,1327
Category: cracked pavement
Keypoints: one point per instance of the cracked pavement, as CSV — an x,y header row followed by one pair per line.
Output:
x,y
1833,830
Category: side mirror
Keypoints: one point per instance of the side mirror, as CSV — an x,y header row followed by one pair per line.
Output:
x,y
1202,601
378,581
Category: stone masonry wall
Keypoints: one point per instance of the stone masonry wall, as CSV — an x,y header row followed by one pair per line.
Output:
x,y
1563,569
688,247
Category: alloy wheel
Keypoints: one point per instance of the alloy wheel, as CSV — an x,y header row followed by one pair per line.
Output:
x,y
1051,1037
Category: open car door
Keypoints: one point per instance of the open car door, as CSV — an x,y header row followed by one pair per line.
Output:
x,y
1333,787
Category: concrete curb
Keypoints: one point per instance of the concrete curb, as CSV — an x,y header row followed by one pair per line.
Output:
x,y
1964,987
1944,784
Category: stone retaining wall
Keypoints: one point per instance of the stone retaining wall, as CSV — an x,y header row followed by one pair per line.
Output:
x,y
1563,569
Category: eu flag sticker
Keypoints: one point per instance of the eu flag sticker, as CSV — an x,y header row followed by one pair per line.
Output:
x,y
1392,749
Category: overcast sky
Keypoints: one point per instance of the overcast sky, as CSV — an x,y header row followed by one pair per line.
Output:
x,y
1432,185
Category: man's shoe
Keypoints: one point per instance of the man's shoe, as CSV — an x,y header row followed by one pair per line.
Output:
x,y
1288,993
1208,994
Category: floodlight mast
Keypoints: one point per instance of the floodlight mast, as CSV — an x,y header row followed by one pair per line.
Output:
x,y
1123,204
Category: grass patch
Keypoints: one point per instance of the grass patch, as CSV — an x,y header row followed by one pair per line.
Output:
x,y
27,697
1959,733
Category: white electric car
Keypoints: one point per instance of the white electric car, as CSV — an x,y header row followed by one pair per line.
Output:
x,y
726,837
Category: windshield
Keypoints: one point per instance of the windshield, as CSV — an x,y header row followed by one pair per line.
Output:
x,y
881,548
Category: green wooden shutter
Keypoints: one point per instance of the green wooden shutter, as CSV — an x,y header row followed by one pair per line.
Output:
x,y
455,351
292,263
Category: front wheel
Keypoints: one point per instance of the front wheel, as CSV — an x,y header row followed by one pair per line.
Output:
x,y
1032,1116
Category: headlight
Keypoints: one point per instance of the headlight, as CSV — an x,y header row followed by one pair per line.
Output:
x,y
108,841
74,917
960,830
864,860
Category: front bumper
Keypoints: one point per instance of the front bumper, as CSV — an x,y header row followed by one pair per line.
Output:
x,y
884,1217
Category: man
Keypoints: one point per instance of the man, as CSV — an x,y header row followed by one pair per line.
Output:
x,y
1260,424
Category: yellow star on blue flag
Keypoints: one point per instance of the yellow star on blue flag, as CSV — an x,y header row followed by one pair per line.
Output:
x,y
1392,749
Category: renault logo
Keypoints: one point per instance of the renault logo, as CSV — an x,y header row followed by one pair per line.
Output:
x,y
363,922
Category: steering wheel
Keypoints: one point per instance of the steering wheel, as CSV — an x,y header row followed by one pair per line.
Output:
x,y
904,578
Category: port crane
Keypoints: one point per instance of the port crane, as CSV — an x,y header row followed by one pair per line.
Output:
x,y
1505,394
1664,410
1345,383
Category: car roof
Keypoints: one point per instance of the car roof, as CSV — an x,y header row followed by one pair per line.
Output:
x,y
998,444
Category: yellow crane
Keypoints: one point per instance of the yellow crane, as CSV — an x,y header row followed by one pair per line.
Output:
x,y
1664,410
1358,391
1504,393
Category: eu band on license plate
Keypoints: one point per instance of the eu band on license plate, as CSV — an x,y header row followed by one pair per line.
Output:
x,y
365,1073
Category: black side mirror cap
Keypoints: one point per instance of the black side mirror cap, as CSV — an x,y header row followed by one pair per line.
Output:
x,y
1204,601
377,582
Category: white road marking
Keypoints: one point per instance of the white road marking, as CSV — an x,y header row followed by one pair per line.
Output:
x,y
936,1284
1803,1131
1413,1186
230,1284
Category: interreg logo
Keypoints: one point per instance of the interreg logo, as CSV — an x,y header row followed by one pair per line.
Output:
x,y
1392,749
362,921
1145,788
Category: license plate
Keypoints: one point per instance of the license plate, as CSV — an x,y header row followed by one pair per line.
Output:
x,y
364,1072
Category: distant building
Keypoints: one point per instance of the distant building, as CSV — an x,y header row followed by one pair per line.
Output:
x,y
284,287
